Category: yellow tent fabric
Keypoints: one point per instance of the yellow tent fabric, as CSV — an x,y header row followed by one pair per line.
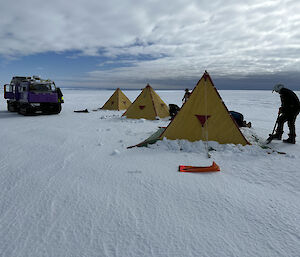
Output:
x,y
118,101
205,117
148,105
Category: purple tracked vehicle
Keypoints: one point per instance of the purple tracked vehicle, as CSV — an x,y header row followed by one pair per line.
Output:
x,y
32,95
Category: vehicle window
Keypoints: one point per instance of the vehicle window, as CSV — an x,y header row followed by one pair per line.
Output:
x,y
41,87
8,88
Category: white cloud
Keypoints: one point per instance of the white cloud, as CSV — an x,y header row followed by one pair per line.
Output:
x,y
226,37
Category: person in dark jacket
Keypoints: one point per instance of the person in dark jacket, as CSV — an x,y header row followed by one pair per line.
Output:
x,y
239,119
173,109
186,96
290,107
60,95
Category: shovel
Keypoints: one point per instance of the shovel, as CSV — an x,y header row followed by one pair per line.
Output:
x,y
270,138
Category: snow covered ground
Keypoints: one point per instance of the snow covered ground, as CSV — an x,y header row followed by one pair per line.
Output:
x,y
69,186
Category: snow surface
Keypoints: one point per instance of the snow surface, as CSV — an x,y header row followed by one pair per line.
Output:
x,y
69,186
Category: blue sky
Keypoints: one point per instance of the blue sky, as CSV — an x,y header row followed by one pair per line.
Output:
x,y
249,44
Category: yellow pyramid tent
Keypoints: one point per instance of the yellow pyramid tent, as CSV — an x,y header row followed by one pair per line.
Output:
x,y
147,105
205,117
118,101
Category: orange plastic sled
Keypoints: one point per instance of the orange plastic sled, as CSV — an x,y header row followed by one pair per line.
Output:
x,y
213,167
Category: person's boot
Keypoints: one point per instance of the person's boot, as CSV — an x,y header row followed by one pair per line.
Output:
x,y
291,139
277,136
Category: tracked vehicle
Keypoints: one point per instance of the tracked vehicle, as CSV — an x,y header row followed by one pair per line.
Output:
x,y
33,95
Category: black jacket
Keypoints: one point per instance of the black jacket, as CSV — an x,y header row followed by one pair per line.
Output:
x,y
289,101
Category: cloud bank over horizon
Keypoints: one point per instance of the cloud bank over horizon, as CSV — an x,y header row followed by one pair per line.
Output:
x,y
138,41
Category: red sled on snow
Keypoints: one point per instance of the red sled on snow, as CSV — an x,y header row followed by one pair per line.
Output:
x,y
213,167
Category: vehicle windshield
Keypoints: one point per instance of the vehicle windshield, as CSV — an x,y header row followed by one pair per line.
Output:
x,y
42,87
